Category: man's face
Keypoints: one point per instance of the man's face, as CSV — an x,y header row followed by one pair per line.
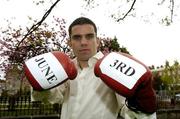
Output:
x,y
83,41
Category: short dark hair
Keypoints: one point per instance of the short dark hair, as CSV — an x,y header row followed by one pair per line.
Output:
x,y
81,21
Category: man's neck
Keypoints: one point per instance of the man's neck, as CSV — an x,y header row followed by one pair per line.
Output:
x,y
83,64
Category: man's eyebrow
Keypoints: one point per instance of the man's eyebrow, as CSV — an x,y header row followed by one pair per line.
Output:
x,y
90,34
76,35
83,34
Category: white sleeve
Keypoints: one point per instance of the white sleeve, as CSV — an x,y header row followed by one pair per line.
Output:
x,y
120,100
54,95
126,113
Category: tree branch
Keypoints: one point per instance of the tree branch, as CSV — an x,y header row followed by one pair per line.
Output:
x,y
172,9
34,27
131,8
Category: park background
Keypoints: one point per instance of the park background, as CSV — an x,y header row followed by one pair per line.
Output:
x,y
148,30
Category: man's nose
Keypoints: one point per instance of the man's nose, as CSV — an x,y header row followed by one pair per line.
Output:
x,y
84,41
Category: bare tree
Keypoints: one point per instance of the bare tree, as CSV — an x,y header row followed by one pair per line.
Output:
x,y
168,19
34,27
119,14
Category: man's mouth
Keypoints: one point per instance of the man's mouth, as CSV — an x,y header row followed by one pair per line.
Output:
x,y
84,50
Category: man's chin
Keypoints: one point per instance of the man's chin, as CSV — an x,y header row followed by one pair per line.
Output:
x,y
84,58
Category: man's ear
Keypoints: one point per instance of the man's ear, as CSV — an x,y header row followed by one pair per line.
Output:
x,y
98,44
98,41
69,42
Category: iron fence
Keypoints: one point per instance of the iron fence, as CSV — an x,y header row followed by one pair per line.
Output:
x,y
23,108
168,107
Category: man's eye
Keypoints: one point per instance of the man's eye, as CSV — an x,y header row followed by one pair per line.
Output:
x,y
76,37
90,36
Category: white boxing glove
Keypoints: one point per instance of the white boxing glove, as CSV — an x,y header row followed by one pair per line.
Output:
x,y
48,70
128,77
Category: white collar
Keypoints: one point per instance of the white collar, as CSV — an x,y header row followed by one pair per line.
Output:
x,y
91,61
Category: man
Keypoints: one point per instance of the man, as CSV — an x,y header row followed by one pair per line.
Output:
x,y
87,96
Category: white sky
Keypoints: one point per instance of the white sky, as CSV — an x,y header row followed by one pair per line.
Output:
x,y
144,37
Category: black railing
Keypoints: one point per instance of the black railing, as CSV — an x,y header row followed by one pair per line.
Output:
x,y
168,107
23,107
